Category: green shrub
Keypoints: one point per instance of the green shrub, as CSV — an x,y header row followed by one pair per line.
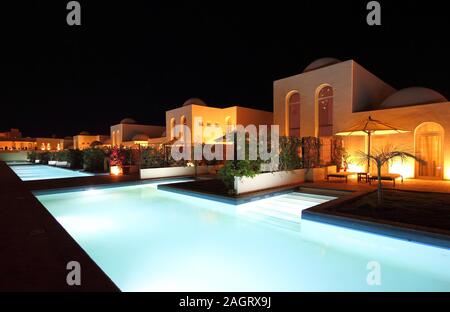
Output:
x,y
43,157
238,168
152,157
94,159
32,156
289,154
311,152
74,158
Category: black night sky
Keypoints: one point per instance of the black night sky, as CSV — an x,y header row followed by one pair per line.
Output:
x,y
139,59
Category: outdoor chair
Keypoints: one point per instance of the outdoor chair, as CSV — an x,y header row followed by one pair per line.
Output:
x,y
386,177
340,175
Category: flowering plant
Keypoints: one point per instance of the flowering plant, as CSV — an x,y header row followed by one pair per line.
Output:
x,y
117,157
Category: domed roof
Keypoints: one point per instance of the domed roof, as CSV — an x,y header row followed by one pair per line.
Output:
x,y
128,121
320,63
194,101
413,96
140,137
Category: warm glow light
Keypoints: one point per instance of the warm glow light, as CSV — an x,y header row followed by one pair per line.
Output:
x,y
190,164
447,173
404,168
116,170
355,168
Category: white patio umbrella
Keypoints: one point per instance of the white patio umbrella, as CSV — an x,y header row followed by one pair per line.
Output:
x,y
370,127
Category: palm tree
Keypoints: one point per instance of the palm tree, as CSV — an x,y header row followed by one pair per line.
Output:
x,y
385,156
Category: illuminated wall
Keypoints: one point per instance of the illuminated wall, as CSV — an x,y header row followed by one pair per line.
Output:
x,y
49,144
218,118
82,142
122,133
17,145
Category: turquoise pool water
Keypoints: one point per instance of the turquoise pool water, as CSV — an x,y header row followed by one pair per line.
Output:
x,y
150,240
43,172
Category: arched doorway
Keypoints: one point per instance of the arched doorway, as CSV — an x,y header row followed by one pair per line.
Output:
x,y
293,114
429,140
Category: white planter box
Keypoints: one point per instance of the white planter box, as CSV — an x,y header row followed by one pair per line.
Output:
x,y
268,180
61,164
168,172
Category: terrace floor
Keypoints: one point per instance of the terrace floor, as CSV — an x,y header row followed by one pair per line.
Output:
x,y
416,210
434,186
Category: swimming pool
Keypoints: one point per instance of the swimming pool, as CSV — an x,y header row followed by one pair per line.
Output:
x,y
146,239
43,172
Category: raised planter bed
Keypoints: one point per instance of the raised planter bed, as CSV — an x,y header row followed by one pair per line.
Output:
x,y
170,172
268,180
318,174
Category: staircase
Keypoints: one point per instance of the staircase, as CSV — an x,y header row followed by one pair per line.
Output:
x,y
281,211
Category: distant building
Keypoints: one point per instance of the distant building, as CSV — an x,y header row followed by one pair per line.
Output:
x,y
50,144
219,118
13,141
129,133
12,134
84,140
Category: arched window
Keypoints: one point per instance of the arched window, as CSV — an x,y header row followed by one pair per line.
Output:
x,y
183,122
172,128
429,140
293,114
228,124
325,111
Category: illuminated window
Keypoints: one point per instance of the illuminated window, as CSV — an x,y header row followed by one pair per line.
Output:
x,y
183,122
293,110
172,128
228,122
325,111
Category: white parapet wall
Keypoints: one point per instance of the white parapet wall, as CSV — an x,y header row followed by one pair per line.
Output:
x,y
171,172
268,180
14,155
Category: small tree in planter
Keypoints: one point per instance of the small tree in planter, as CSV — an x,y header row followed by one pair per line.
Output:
x,y
238,168
385,156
